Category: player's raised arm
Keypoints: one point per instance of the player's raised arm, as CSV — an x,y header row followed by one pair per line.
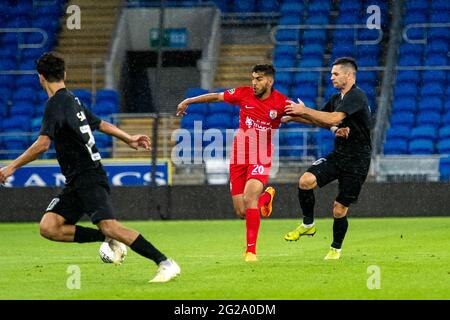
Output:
x,y
41,145
134,142
326,119
204,98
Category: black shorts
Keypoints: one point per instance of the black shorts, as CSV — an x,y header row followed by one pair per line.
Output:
x,y
87,194
350,173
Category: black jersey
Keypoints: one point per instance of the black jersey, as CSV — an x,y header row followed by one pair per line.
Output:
x,y
356,106
70,124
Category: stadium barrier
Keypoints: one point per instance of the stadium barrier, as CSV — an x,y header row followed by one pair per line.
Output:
x,y
214,202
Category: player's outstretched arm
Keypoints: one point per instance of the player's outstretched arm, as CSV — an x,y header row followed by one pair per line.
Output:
x,y
328,119
204,98
135,142
41,145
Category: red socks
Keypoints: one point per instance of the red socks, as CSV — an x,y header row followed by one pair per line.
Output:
x,y
264,199
252,219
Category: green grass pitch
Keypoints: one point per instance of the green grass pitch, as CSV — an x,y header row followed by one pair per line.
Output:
x,y
411,254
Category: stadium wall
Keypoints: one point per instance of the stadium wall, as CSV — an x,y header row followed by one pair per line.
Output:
x,y
214,202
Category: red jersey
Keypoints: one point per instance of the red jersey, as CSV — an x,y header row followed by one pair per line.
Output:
x,y
259,116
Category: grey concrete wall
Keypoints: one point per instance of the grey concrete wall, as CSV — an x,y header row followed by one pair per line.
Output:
x,y
197,21
214,202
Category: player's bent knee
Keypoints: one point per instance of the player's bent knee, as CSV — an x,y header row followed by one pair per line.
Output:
x,y
250,200
307,181
48,231
109,228
339,210
240,213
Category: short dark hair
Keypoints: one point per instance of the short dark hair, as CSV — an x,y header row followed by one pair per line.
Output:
x,y
347,62
51,66
266,69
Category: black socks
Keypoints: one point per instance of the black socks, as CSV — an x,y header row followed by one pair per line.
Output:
x,y
83,235
307,201
340,226
146,249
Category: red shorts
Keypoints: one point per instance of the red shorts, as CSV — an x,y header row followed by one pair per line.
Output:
x,y
241,173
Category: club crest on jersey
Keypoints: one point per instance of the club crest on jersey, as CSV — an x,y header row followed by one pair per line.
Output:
x,y
273,114
231,91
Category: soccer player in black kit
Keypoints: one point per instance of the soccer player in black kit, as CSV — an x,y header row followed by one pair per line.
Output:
x,y
347,114
69,124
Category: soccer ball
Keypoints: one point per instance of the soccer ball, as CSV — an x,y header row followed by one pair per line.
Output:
x,y
113,252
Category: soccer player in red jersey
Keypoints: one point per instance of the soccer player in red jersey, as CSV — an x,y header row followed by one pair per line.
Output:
x,y
261,109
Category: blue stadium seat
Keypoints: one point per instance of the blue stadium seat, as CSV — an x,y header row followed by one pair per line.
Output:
x,y
402,118
410,60
446,106
423,132
235,121
415,17
84,96
16,123
438,34
284,62
416,5
36,124
292,8
369,77
288,20
396,146
405,104
192,92
302,77
429,118
344,49
24,94
285,52
432,89
187,122
434,76
219,121
437,46
313,51
343,35
421,146
287,35
410,48
319,7
244,6
105,108
405,89
28,80
310,62
315,36
443,146
220,107
22,108
350,6
398,132
317,19
408,76
433,104
435,59
444,132
283,78
198,108
444,169
267,5
107,95
440,17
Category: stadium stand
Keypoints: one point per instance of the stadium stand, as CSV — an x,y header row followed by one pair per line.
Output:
x,y
421,84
